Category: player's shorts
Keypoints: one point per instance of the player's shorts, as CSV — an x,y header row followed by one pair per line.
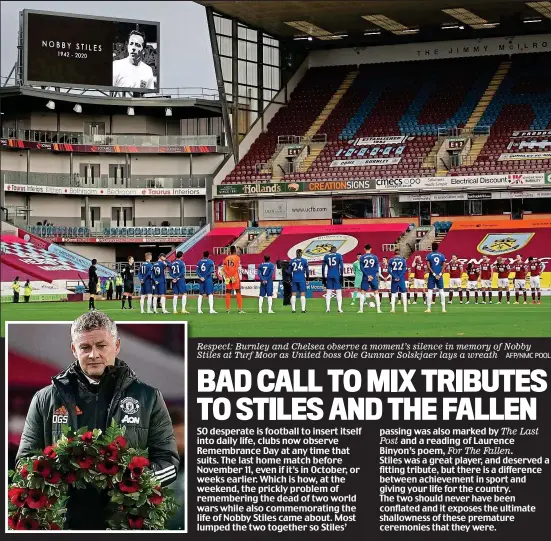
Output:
x,y
385,284
267,290
419,283
298,287
160,288
503,283
147,288
486,284
358,282
435,283
206,287
128,287
333,283
372,285
455,282
179,287
399,286
520,284
472,285
92,288
535,282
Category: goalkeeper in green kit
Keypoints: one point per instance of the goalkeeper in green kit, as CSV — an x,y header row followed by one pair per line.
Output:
x,y
357,278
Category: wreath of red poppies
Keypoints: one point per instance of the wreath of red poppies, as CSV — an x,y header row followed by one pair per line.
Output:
x,y
38,493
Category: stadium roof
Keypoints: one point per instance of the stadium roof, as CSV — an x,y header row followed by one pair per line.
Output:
x,y
347,17
30,99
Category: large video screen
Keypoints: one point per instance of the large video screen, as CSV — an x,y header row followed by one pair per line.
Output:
x,y
90,52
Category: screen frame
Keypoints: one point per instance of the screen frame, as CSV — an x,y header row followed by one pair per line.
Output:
x,y
111,88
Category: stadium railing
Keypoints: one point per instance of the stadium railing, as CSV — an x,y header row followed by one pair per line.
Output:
x,y
78,138
67,231
104,181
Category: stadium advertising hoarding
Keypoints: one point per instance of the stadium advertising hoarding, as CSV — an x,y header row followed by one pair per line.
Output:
x,y
83,51
145,192
295,208
107,149
448,196
475,182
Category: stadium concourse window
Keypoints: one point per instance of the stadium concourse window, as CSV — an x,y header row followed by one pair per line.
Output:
x,y
257,77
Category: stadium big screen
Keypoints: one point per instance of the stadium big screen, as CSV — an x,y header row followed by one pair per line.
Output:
x,y
90,52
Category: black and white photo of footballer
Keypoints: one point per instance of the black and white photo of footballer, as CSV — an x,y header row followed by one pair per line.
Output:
x,y
136,67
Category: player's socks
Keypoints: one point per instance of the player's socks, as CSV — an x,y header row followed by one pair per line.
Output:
x,y
378,303
175,303
424,298
476,297
468,293
489,296
354,296
508,296
405,302
499,296
460,295
539,295
130,302
260,302
362,301
328,294
228,301
149,302
429,301
443,300
524,294
451,295
293,303
270,305
516,296
199,303
393,301
163,304
211,303
142,302
240,301
533,295
123,301
415,298
303,303
339,300
184,301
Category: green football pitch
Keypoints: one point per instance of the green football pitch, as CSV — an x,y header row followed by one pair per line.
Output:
x,y
490,320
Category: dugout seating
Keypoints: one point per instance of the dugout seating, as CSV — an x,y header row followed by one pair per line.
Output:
x,y
396,99
522,102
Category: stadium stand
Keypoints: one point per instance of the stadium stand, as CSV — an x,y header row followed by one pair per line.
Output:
x,y
522,103
348,239
414,99
217,238
39,263
307,102
470,241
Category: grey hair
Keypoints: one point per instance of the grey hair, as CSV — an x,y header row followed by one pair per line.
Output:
x,y
91,321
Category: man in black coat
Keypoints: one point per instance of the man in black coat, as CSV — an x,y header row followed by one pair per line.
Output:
x,y
128,280
94,390
92,284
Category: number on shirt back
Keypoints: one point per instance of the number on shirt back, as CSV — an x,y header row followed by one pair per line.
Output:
x,y
175,269
332,261
203,267
369,263
397,265
144,269
297,267
157,270
436,260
